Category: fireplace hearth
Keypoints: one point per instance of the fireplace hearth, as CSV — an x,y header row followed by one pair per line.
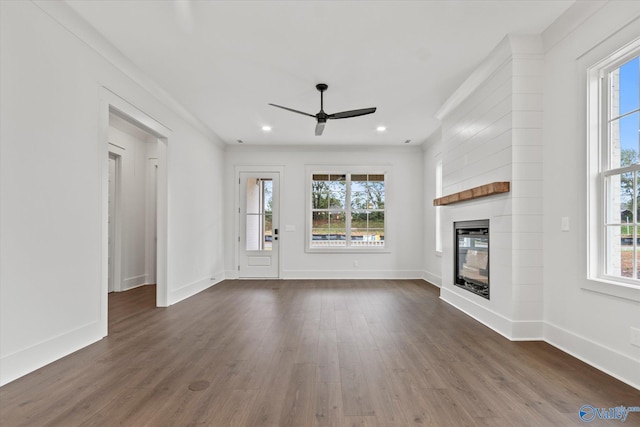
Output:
x,y
472,256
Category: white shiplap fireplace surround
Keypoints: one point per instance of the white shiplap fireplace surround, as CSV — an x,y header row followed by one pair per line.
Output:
x,y
492,131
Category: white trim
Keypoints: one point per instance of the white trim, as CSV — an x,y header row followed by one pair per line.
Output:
x,y
112,103
620,366
596,95
571,19
26,360
333,148
117,220
133,282
432,278
351,274
514,330
348,169
613,288
193,288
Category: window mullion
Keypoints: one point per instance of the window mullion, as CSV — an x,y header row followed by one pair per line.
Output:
x,y
347,210
635,228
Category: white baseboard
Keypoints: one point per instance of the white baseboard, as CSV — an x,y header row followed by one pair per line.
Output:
x,y
514,330
20,363
177,295
351,274
618,365
231,274
434,279
133,282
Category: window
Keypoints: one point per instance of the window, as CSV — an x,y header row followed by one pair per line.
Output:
x,y
622,170
347,210
614,106
438,208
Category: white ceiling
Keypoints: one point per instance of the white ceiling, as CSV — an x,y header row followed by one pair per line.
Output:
x,y
226,60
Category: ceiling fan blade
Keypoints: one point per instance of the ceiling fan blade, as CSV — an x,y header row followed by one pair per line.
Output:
x,y
320,128
351,113
292,110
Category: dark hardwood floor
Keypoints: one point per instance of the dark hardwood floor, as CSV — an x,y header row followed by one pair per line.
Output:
x,y
308,353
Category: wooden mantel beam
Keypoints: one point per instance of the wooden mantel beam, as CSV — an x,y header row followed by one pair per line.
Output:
x,y
474,193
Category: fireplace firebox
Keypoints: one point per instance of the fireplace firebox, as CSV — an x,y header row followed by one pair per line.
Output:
x,y
472,256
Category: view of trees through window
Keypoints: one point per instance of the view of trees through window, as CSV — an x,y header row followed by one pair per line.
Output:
x,y
347,210
623,172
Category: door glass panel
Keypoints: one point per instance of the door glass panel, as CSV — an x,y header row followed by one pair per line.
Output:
x,y
259,214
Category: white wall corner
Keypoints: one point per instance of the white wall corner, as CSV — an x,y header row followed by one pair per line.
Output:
x,y
484,315
525,45
193,288
22,362
493,62
432,278
64,15
512,45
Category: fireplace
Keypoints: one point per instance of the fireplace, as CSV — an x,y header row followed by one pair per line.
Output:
x,y
472,256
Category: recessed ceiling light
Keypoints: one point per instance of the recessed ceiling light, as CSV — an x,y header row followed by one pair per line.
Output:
x,y
266,128
381,128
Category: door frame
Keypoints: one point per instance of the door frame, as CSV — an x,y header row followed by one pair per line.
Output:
x,y
236,189
116,154
110,102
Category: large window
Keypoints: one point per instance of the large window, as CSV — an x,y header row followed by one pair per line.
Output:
x,y
621,174
347,210
616,112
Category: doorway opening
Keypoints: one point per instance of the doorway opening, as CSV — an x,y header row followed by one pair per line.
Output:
x,y
134,194
133,162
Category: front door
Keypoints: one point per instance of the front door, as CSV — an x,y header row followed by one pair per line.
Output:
x,y
259,222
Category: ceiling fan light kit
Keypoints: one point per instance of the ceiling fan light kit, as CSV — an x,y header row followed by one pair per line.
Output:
x,y
322,117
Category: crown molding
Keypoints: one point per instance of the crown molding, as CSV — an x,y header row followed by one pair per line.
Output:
x,y
411,148
68,18
566,23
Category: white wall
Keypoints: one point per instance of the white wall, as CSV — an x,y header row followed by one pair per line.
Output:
x,y
592,326
52,165
404,202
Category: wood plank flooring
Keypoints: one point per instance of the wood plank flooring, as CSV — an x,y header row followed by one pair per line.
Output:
x,y
308,353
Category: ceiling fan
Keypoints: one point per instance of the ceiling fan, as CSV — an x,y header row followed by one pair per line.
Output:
x,y
322,117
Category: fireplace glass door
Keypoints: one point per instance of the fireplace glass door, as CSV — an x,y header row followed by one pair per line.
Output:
x,y
472,256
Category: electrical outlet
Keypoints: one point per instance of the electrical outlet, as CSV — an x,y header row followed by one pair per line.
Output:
x,y
213,279
635,336
356,263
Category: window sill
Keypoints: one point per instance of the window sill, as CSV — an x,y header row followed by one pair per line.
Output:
x,y
613,288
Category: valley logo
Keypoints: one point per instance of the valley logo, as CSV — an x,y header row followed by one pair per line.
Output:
x,y
588,413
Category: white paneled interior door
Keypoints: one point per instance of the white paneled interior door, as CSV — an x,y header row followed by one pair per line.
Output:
x,y
259,247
